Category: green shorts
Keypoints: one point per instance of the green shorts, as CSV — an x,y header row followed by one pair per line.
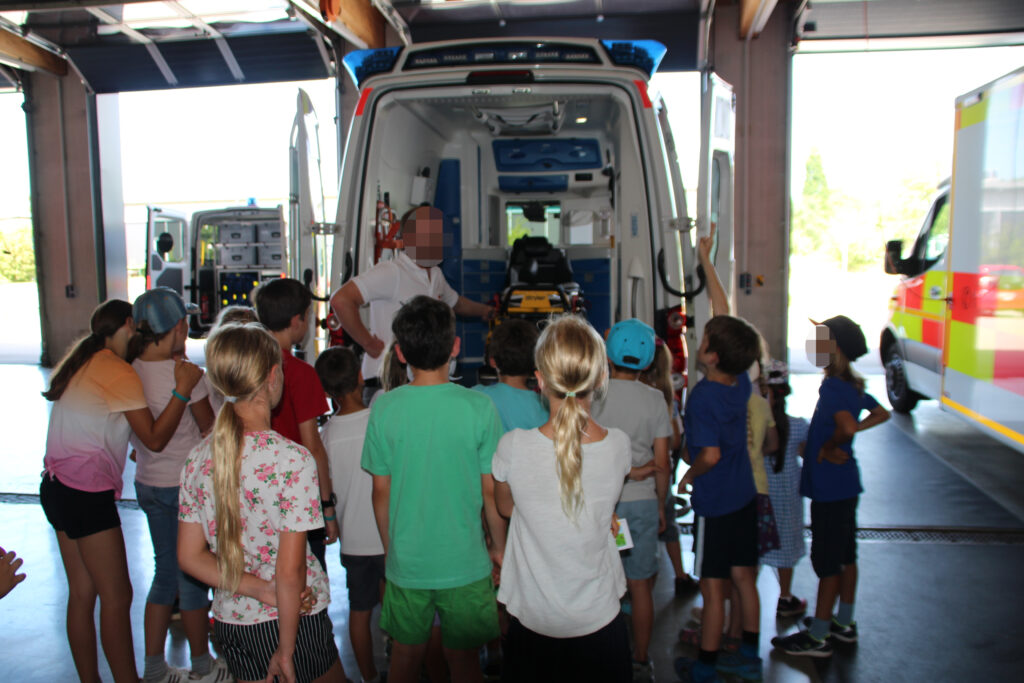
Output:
x,y
469,614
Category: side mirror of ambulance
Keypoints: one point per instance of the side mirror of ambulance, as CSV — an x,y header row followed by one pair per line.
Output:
x,y
894,264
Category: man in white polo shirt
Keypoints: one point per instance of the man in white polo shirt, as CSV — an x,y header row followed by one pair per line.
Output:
x,y
389,284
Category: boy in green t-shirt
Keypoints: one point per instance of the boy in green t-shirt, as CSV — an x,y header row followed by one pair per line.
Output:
x,y
429,446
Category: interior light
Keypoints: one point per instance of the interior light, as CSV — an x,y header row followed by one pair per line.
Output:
x,y
581,119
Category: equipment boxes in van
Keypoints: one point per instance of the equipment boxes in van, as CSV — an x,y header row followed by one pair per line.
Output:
x,y
554,138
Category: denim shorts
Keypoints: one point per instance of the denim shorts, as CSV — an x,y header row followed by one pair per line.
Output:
x,y
160,503
640,561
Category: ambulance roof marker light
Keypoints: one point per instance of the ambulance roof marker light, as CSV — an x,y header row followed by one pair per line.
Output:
x,y
361,64
645,55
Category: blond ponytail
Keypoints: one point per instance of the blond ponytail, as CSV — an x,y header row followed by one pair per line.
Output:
x,y
239,359
570,357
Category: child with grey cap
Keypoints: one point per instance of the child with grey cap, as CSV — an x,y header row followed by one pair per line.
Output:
x,y
831,479
161,318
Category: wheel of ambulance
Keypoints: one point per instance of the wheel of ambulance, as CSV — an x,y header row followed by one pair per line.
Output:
x,y
901,396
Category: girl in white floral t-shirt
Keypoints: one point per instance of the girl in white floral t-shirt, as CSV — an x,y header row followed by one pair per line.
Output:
x,y
248,497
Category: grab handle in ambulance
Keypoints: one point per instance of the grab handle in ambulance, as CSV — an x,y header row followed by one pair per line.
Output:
x,y
672,290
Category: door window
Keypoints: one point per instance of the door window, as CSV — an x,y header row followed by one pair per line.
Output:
x,y
169,238
935,241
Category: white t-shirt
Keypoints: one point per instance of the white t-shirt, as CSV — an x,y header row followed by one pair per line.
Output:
x,y
387,287
558,578
278,491
343,438
164,468
640,411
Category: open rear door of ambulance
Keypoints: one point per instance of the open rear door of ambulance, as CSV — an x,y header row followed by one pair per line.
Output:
x,y
167,251
714,208
310,239
983,363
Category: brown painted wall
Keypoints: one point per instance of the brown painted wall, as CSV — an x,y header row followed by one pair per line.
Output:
x,y
762,162
63,318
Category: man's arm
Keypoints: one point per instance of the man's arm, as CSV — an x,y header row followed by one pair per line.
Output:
x,y
467,307
345,303
381,502
311,440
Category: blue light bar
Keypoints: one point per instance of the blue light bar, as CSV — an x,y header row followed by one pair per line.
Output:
x,y
489,53
645,55
362,64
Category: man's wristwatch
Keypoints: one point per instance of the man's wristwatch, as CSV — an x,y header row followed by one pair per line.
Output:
x,y
329,502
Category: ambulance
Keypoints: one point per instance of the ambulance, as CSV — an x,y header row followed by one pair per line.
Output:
x,y
956,326
555,139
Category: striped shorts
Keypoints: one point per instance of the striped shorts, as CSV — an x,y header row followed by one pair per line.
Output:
x,y
248,648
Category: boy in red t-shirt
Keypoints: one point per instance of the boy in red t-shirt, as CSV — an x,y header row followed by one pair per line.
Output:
x,y
282,306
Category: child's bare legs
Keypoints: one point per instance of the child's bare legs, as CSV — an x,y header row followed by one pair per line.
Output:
x,y
739,617
196,623
745,581
437,667
735,613
81,604
714,592
336,674
675,556
406,662
465,665
640,591
848,584
785,582
101,556
828,590
362,642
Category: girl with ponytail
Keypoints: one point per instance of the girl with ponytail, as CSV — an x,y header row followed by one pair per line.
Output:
x,y
98,400
561,577
248,497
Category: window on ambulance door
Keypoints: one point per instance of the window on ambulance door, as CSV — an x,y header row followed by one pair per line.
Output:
x,y
533,219
169,238
934,243
716,190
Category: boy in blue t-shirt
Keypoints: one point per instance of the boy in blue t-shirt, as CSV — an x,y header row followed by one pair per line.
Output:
x,y
831,479
725,546
510,352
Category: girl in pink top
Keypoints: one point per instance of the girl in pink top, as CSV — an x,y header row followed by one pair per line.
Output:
x,y
98,401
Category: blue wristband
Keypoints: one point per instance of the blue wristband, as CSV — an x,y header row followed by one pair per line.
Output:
x,y
175,394
331,518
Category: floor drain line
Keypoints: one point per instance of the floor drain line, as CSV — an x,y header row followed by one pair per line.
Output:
x,y
924,534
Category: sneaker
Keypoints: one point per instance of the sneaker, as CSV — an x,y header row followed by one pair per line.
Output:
x,y
172,675
218,673
846,634
790,607
684,669
686,585
736,665
643,672
803,644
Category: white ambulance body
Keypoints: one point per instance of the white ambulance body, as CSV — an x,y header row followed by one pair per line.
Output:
x,y
956,327
549,137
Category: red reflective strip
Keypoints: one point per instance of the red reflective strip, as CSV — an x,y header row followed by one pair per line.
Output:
x,y
642,87
931,333
968,301
362,101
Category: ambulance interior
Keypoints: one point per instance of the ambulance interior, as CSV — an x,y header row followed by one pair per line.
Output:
x,y
554,161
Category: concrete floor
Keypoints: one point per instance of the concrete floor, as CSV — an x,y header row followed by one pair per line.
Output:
x,y
940,588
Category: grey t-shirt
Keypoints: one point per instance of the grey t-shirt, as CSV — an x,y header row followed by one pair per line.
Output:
x,y
640,412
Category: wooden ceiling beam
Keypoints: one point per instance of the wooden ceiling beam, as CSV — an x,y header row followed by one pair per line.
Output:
x,y
24,54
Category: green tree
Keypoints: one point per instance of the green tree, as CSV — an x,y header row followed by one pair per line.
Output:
x,y
17,256
812,217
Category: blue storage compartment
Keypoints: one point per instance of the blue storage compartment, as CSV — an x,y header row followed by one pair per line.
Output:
x,y
594,276
532,155
533,183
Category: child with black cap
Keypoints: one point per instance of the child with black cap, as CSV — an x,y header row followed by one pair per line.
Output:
x,y
831,479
